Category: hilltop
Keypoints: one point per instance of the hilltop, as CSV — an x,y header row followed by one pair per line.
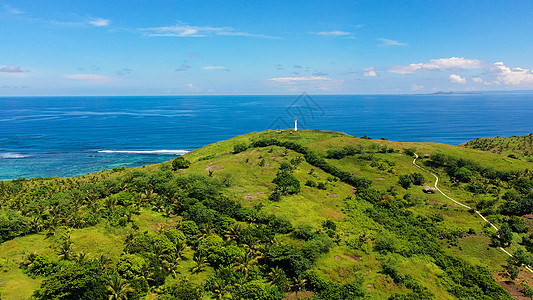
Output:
x,y
514,146
273,215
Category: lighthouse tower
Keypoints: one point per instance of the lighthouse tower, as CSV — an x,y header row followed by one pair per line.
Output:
x,y
295,124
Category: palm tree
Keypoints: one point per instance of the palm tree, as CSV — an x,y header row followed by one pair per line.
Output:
x,y
207,230
65,249
299,284
220,289
104,261
80,257
118,288
275,274
146,274
337,238
201,263
245,263
180,250
233,233
173,267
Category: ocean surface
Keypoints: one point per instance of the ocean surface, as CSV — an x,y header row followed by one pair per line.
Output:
x,y
68,136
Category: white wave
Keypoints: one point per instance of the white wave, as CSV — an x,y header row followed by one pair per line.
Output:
x,y
175,152
10,155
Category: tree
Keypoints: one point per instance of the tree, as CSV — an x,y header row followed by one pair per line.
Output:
x,y
254,290
12,224
285,166
410,151
65,249
180,163
201,263
245,263
287,183
506,235
184,290
76,282
118,288
418,179
220,289
234,232
511,269
278,278
405,181
463,174
298,285
240,147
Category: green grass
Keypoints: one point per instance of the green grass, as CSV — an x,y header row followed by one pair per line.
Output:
x,y
18,285
252,185
517,146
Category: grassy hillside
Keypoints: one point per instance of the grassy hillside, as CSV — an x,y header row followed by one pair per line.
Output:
x,y
520,147
274,215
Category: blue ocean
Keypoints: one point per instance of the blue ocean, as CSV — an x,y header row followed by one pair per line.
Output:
x,y
68,136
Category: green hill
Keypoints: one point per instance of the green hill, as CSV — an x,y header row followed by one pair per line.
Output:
x,y
514,146
271,216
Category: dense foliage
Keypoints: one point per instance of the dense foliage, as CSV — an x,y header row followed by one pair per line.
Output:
x,y
242,251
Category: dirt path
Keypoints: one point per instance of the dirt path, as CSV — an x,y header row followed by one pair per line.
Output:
x,y
465,206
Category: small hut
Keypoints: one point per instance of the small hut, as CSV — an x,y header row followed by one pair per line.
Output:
x,y
429,190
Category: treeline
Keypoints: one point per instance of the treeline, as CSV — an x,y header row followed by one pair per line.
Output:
x,y
485,179
409,235
462,169
313,159
518,144
239,243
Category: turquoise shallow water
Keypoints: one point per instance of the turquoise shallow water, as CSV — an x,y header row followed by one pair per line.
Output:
x,y
67,136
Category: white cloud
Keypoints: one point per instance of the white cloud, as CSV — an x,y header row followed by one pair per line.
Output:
x,y
388,43
192,88
13,10
483,81
512,76
333,33
213,68
299,79
184,30
10,69
370,73
452,63
416,87
457,79
237,33
100,22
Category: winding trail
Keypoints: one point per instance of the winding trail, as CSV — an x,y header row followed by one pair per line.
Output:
x,y
465,206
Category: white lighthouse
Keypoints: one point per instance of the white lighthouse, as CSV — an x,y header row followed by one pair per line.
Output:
x,y
295,124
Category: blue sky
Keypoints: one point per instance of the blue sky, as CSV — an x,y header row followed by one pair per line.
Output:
x,y
263,47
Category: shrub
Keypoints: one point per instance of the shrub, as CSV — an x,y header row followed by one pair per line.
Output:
x,y
321,186
418,179
312,249
304,232
310,183
405,181
287,183
409,151
285,166
240,147
180,163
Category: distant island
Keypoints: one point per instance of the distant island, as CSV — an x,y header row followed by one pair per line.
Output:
x,y
285,214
